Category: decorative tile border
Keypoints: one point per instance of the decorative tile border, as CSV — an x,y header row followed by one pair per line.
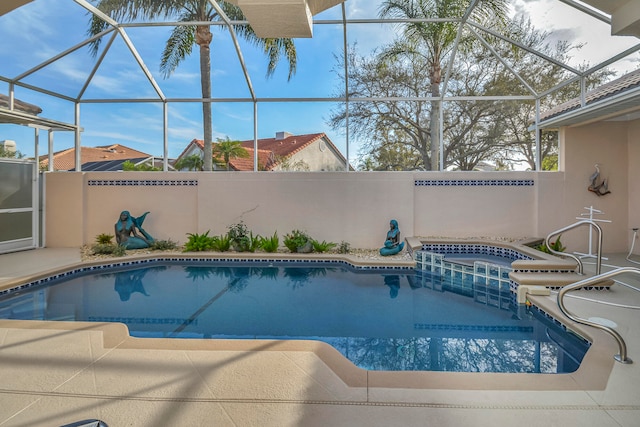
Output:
x,y
481,328
531,270
143,182
474,249
559,323
513,286
145,320
105,268
473,182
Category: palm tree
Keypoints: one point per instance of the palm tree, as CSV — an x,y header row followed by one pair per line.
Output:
x,y
225,149
435,40
193,163
184,37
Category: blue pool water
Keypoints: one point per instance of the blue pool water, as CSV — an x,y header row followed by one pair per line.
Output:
x,y
378,319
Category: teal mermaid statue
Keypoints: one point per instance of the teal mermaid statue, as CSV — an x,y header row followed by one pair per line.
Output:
x,y
127,229
392,245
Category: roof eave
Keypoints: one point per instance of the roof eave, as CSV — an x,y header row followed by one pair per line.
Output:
x,y
607,108
19,118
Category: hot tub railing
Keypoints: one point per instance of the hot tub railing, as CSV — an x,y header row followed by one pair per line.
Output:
x,y
593,224
622,347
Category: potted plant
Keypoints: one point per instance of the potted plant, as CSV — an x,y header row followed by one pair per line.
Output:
x,y
240,237
298,241
556,246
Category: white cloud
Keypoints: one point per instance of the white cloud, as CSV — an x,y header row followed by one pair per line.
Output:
x,y
564,22
116,136
362,9
30,21
185,76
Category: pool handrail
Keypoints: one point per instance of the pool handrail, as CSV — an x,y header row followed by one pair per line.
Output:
x,y
622,347
577,259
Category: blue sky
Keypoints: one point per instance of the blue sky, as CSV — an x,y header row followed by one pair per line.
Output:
x,y
44,28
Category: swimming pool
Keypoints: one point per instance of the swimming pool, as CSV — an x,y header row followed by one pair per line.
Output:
x,y
383,319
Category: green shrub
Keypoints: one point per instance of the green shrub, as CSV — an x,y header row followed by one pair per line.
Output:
x,y
198,242
322,246
103,248
344,247
163,245
103,238
240,236
119,251
298,241
221,243
270,244
254,242
556,246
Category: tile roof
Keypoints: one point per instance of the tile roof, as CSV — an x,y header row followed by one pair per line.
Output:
x,y
22,106
624,83
269,150
265,160
108,165
65,159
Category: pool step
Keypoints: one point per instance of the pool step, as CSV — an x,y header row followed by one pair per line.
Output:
x,y
554,280
551,273
541,283
544,265
538,277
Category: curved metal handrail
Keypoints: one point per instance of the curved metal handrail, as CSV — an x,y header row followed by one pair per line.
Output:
x,y
578,260
622,355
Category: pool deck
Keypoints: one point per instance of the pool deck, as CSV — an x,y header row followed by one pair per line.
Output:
x,y
57,373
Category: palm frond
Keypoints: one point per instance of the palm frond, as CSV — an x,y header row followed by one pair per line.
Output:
x,y
178,47
132,10
96,26
277,48
128,11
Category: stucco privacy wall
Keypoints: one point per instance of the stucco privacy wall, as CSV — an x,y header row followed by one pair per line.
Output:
x,y
633,181
332,206
356,207
64,209
608,144
476,204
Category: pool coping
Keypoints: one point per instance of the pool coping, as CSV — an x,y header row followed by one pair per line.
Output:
x,y
415,243
593,373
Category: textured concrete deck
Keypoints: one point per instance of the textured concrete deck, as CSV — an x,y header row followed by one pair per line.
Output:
x,y
55,373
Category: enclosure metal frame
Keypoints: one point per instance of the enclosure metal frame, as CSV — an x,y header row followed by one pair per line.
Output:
x,y
118,29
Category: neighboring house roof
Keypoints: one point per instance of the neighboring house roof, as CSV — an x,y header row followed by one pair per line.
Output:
x,y
614,88
270,150
238,163
265,160
108,165
65,159
18,105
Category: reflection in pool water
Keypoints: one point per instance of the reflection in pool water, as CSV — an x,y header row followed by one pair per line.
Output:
x,y
380,320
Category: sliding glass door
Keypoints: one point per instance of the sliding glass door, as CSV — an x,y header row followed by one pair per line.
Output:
x,y
18,205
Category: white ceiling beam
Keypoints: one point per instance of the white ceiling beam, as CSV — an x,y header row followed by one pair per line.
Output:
x,y
283,18
625,21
